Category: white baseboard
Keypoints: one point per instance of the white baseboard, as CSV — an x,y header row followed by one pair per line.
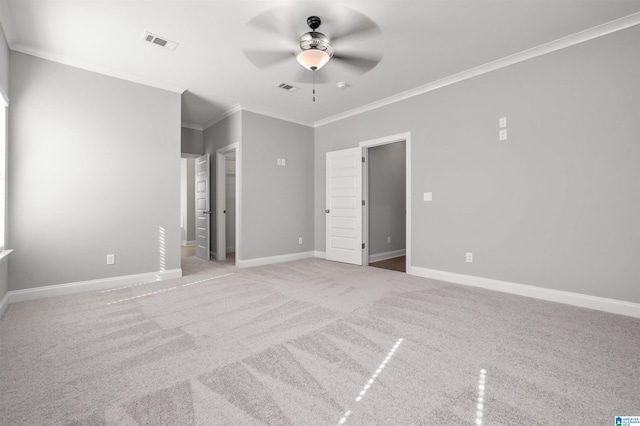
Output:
x,y
576,299
189,243
4,303
92,285
273,259
386,255
320,254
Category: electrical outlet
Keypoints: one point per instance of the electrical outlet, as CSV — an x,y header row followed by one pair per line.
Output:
x,y
502,122
469,257
279,162
427,196
111,259
300,240
284,161
502,135
389,240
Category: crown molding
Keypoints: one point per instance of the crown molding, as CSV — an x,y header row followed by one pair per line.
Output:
x,y
192,126
87,66
218,118
237,107
543,49
276,116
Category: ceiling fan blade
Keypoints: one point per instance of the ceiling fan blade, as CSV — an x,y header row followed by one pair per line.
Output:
x,y
361,64
271,22
267,58
357,25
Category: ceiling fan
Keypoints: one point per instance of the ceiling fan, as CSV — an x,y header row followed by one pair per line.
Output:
x,y
315,48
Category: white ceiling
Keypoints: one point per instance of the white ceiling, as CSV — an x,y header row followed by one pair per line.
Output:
x,y
422,42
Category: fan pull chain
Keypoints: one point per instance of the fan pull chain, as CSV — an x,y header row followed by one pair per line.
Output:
x,y
314,85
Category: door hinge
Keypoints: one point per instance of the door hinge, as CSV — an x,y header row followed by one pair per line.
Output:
x,y
363,202
363,159
362,245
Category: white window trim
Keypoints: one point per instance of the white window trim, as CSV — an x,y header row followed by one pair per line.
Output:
x,y
4,254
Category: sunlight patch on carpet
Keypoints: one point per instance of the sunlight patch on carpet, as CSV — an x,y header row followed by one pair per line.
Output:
x,y
166,289
373,378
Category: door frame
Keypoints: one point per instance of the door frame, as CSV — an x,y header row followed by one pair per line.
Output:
x,y
221,188
365,145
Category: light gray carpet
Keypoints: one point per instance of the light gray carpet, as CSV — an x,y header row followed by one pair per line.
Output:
x,y
298,343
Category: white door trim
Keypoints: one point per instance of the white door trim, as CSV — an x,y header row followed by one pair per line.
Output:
x,y
406,137
221,166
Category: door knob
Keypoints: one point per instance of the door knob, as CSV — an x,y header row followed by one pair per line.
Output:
x,y
207,212
326,211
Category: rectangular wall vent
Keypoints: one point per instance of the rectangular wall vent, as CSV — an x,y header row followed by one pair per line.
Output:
x,y
287,87
159,41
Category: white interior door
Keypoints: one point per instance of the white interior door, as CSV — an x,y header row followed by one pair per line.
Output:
x,y
203,208
344,206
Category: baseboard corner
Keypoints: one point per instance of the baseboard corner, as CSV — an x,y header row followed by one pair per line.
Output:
x,y
386,255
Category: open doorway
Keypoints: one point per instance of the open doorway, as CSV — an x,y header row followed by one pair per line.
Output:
x,y
227,203
386,187
187,206
230,206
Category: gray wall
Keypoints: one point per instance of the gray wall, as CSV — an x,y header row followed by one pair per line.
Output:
x,y
223,133
191,141
387,198
95,169
4,64
277,202
4,87
555,206
188,199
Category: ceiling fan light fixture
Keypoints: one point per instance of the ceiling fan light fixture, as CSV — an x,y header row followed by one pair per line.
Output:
x,y
313,59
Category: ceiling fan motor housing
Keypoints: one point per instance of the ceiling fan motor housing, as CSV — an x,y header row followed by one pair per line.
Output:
x,y
315,40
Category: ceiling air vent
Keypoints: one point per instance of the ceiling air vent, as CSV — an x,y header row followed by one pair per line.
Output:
x,y
287,87
159,41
